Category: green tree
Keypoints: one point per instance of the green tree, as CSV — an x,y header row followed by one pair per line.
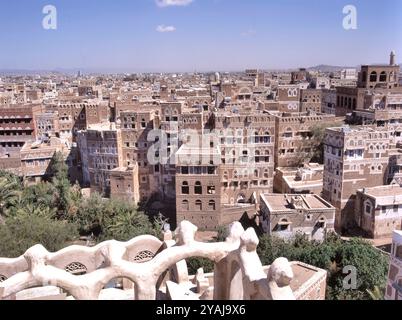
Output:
x,y
24,231
193,264
112,219
371,265
90,216
42,194
58,166
9,192
312,147
31,209
332,255
124,222
223,233
66,196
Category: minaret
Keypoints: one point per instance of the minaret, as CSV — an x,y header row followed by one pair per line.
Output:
x,y
392,59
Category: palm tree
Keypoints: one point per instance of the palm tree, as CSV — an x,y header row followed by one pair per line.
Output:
x,y
128,224
28,209
9,192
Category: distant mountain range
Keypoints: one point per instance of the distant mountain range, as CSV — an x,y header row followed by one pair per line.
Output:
x,y
22,72
328,68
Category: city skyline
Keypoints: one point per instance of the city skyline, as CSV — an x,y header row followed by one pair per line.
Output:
x,y
198,35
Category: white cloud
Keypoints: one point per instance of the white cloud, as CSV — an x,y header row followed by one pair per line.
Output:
x,y
170,3
163,28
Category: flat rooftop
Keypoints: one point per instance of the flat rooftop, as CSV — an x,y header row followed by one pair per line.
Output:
x,y
383,191
295,183
283,202
351,129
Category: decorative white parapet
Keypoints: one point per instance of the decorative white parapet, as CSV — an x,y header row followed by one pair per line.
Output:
x,y
84,272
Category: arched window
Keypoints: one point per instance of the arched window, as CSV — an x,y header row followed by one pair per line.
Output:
x,y
267,156
266,173
185,205
198,205
267,137
373,77
185,189
257,156
198,188
256,173
392,76
350,103
211,205
354,104
383,77
256,137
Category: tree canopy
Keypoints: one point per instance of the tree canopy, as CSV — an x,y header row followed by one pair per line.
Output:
x,y
333,255
21,232
54,213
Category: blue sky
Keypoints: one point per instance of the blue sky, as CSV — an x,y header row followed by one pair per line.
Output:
x,y
206,35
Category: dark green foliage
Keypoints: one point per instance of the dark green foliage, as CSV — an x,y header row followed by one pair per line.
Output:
x,y
58,167
315,143
372,265
59,210
332,255
24,231
43,194
223,233
10,191
125,222
66,197
193,264
111,219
